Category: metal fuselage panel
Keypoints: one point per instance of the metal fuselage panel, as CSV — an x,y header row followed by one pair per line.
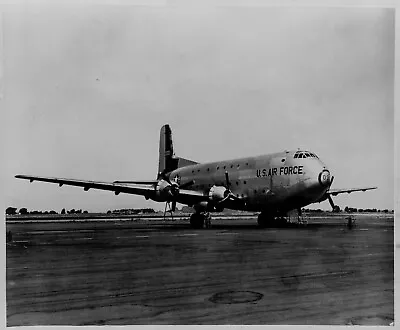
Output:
x,y
275,181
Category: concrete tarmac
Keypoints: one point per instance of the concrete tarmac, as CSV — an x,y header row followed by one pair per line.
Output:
x,y
157,272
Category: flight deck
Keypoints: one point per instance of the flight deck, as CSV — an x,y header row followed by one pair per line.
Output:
x,y
151,271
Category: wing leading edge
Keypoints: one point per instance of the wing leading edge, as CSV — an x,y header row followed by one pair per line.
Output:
x,y
335,192
144,188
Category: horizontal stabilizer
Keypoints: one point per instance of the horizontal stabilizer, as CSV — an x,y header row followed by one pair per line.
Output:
x,y
182,162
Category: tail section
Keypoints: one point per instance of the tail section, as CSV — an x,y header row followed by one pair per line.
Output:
x,y
167,161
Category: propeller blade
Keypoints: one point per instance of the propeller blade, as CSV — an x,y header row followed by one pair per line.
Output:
x,y
331,180
331,202
174,189
228,184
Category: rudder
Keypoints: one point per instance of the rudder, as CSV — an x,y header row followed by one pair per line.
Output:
x,y
166,160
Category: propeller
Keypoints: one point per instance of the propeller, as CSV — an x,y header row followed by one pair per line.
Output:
x,y
174,188
329,196
228,183
228,193
331,202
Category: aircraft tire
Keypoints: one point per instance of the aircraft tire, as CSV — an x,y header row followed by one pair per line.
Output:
x,y
197,221
265,220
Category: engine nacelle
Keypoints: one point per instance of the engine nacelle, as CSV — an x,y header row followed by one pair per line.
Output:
x,y
208,207
165,191
217,193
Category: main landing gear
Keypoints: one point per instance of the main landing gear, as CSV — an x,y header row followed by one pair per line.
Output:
x,y
266,220
276,220
200,219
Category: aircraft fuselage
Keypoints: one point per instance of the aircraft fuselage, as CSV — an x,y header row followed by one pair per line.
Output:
x,y
277,181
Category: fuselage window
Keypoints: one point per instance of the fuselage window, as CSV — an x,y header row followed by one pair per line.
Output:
x,y
244,182
192,171
208,170
224,167
217,168
264,191
231,166
198,170
296,156
237,183
247,164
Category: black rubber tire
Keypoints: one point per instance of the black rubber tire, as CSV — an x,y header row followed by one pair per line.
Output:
x,y
265,220
197,221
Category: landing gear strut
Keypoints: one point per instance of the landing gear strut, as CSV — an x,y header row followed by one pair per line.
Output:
x,y
199,219
265,220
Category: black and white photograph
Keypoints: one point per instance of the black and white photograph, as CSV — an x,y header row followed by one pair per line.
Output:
x,y
198,164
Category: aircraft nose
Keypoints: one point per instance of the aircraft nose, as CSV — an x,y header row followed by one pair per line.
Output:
x,y
324,178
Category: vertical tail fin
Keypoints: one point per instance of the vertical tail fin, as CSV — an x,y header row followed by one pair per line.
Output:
x,y
166,162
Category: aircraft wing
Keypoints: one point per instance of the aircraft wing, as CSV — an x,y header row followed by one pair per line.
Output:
x,y
335,192
138,189
145,188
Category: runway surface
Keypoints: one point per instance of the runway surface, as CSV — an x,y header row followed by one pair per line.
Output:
x,y
157,272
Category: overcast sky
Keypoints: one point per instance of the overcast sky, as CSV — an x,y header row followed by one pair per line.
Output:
x,y
86,90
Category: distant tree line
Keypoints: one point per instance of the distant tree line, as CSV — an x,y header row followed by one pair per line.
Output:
x,y
23,211
348,210
353,210
131,211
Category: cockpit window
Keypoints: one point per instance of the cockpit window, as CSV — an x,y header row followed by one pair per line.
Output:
x,y
304,154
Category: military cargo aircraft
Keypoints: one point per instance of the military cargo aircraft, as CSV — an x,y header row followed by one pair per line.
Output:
x,y
273,184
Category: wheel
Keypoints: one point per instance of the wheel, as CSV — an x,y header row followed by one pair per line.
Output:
x,y
197,220
265,220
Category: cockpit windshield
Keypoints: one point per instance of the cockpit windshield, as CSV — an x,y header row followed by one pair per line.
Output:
x,y
304,154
